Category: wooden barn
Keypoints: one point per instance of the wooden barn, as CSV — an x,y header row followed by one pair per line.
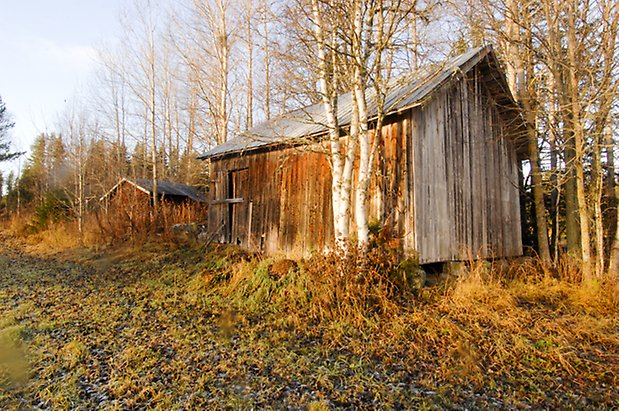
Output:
x,y
128,207
170,192
446,178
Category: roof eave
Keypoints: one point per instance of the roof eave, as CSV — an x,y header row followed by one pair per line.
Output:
x,y
123,180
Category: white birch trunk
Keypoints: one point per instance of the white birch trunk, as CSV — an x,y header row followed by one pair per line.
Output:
x,y
267,57
250,67
224,57
329,105
363,182
347,174
153,118
361,215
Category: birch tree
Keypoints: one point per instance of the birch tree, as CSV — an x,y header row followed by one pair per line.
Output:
x,y
142,27
75,125
112,100
376,26
212,34
266,13
341,165
249,39
357,47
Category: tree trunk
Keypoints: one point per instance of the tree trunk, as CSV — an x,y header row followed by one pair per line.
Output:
x,y
153,119
611,196
572,224
538,196
250,67
553,133
347,173
191,131
579,142
556,59
598,186
361,214
613,268
517,80
613,264
585,236
223,84
267,62
330,109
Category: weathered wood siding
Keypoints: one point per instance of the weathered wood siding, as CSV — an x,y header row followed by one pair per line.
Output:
x,y
284,201
445,181
390,193
466,178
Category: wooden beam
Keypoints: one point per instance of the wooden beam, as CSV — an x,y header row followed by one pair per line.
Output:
x,y
228,201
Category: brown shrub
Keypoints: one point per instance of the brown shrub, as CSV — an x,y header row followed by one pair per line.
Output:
x,y
281,268
130,216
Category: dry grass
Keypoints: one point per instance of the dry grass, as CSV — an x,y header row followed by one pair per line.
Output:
x,y
162,325
130,216
127,222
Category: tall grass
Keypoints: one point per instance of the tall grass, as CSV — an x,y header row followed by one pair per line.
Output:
x,y
491,324
355,286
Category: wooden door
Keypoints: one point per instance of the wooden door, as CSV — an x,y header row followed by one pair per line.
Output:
x,y
238,219
217,211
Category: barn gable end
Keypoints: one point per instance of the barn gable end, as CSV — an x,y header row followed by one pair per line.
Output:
x,y
466,176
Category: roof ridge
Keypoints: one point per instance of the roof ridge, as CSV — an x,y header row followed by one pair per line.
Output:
x,y
285,128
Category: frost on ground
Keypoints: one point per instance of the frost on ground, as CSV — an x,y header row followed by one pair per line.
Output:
x,y
143,328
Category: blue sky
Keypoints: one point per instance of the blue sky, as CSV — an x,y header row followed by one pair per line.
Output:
x,y
47,50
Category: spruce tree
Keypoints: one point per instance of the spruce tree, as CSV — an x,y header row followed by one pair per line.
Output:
x,y
5,125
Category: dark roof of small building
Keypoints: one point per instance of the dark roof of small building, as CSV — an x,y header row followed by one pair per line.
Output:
x,y
404,93
165,188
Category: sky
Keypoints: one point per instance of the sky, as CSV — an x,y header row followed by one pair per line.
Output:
x,y
47,50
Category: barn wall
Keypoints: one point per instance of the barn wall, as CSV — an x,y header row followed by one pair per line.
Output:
x,y
130,210
286,201
286,194
466,179
390,199
129,198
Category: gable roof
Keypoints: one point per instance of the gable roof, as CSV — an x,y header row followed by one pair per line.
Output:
x,y
165,188
404,93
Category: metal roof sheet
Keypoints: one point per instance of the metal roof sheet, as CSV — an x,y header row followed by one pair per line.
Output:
x,y
171,189
403,93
